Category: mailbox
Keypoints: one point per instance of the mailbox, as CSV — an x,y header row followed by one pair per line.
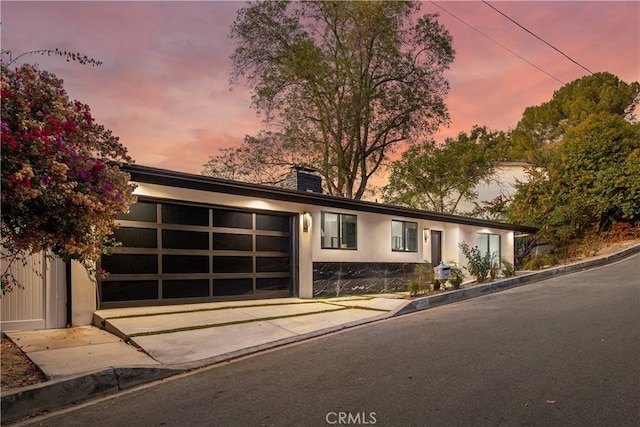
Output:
x,y
442,271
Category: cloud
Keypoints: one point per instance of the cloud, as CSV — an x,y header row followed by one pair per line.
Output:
x,y
164,86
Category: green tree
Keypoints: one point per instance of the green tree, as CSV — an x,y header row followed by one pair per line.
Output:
x,y
263,160
571,105
61,186
591,180
437,178
341,83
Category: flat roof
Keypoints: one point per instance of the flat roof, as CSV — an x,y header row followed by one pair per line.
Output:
x,y
171,178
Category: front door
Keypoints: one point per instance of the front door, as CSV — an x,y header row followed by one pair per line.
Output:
x,y
436,247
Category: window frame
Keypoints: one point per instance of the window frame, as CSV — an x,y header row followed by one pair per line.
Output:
x,y
487,249
404,247
340,237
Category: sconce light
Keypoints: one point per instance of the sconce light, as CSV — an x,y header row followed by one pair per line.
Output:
x,y
306,221
425,235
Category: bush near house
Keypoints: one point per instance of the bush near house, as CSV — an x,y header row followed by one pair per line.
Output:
x,y
457,275
61,189
479,264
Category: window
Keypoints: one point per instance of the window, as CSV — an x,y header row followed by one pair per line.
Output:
x,y
185,251
489,243
339,231
404,236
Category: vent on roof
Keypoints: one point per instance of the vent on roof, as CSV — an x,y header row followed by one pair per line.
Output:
x,y
303,179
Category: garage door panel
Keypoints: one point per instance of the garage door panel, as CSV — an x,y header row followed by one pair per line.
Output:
x,y
184,215
272,264
232,264
232,242
185,264
228,287
130,264
232,219
273,244
130,290
185,288
176,251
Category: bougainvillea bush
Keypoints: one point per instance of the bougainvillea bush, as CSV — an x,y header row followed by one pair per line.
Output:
x,y
61,186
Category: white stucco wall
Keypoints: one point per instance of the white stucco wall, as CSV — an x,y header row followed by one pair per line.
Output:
x,y
506,176
373,239
469,235
83,298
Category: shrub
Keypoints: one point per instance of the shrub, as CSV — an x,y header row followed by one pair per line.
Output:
x,y
508,270
457,275
61,186
537,261
424,277
413,288
479,265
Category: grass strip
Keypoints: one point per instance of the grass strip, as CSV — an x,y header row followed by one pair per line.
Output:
x,y
197,310
357,307
215,325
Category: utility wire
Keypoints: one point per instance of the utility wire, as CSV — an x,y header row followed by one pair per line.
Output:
x,y
496,42
557,50
539,38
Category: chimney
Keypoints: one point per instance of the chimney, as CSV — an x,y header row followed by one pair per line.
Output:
x,y
303,179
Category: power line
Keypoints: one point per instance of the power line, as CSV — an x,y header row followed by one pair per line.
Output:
x,y
557,50
498,43
539,38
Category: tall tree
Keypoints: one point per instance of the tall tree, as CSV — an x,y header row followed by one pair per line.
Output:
x,y
342,83
437,178
571,105
61,186
591,180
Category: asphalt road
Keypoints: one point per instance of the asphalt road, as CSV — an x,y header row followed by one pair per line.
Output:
x,y
562,352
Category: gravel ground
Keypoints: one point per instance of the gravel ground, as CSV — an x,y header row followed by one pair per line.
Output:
x,y
16,370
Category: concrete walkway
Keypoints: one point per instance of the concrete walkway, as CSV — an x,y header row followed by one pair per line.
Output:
x,y
140,345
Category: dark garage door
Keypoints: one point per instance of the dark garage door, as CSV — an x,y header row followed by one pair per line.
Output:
x,y
176,253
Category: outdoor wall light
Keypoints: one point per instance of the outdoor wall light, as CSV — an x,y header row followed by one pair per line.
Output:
x,y
425,235
306,221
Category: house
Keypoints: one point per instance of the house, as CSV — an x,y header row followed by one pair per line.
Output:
x,y
502,184
192,238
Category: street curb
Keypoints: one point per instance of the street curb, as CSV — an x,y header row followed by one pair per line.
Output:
x,y
512,282
56,394
53,394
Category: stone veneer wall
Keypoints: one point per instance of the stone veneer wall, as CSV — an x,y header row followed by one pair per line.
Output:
x,y
350,278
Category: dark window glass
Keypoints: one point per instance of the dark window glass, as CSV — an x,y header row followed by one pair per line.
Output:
x,y
222,287
130,264
404,236
339,231
272,244
185,264
232,219
187,215
348,236
174,239
272,265
232,242
232,264
141,211
137,237
273,284
272,222
129,291
412,237
185,288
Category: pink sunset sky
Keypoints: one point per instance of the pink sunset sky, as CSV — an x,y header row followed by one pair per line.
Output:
x,y
164,86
